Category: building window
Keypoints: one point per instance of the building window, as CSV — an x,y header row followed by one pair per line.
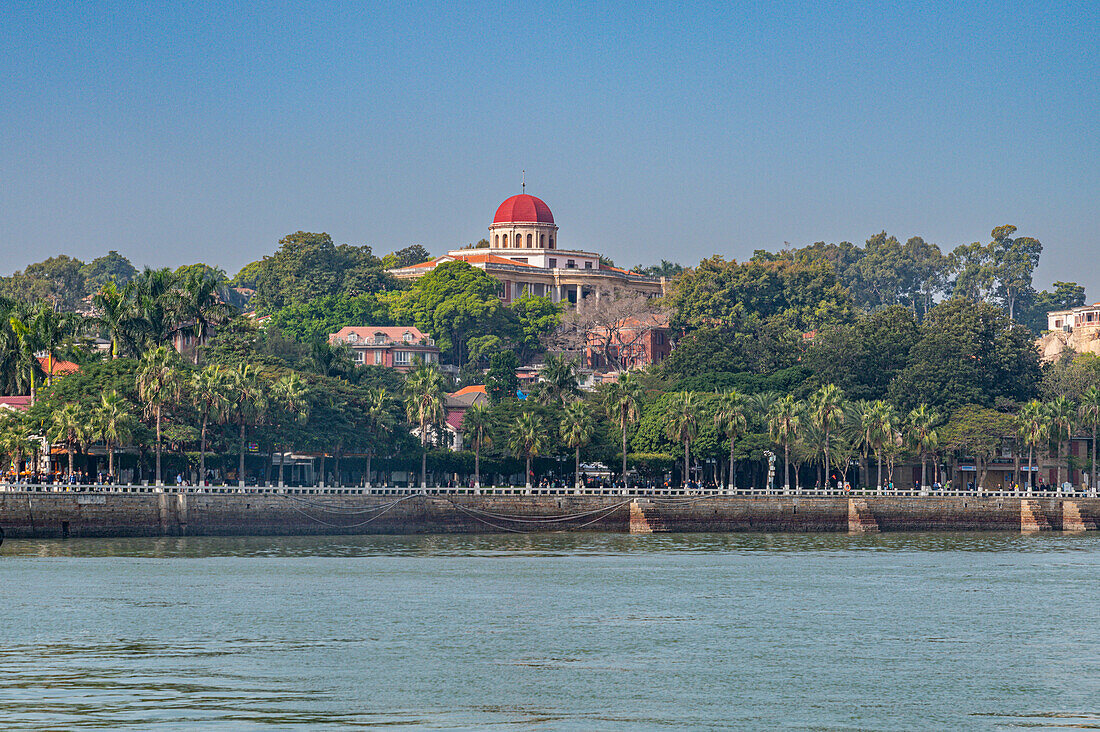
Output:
x,y
551,242
570,264
542,240
529,241
360,357
402,358
553,263
588,265
408,337
379,338
496,240
353,337
378,358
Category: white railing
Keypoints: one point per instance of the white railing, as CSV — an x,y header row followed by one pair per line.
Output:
x,y
640,491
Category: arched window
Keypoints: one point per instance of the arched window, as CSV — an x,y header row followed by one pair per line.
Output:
x,y
542,241
496,240
551,242
505,241
529,241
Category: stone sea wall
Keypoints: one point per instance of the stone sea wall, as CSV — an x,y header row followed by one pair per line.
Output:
x,y
41,515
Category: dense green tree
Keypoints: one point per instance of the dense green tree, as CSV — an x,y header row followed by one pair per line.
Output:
x,y
863,358
682,425
1014,261
111,267
967,353
978,432
537,317
501,381
308,265
731,419
455,302
407,257
319,317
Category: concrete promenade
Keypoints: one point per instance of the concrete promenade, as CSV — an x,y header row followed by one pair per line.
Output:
x,y
86,511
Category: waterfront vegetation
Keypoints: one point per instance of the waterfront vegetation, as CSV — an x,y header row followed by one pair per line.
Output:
x,y
834,361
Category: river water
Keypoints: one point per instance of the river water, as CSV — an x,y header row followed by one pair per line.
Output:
x,y
555,631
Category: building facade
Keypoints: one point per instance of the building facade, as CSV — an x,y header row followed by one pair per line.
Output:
x,y
524,255
1076,329
395,347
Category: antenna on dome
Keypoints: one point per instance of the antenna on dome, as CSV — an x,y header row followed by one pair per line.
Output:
x,y
523,185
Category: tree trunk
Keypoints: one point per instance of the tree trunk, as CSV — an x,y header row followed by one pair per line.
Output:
x,y
202,451
878,469
825,484
1030,468
527,476
624,453
923,470
787,466
1092,486
110,458
240,465
1059,461
687,464
731,465
69,449
423,463
160,478
336,467
370,453
321,480
577,467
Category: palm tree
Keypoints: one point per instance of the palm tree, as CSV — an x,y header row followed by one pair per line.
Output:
x,y
112,314
783,424
557,381
27,344
208,391
157,384
67,425
921,430
882,431
827,412
114,424
247,404
424,407
527,438
577,428
1089,414
731,421
198,308
477,426
1062,415
52,328
291,396
16,439
622,401
682,425
1031,426
379,418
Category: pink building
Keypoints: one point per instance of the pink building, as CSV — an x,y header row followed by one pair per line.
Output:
x,y
395,346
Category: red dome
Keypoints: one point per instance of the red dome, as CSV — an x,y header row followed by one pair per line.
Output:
x,y
523,209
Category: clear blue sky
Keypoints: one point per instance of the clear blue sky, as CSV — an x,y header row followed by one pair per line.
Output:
x,y
178,132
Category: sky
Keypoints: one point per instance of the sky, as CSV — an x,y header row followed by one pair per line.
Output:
x,y
184,132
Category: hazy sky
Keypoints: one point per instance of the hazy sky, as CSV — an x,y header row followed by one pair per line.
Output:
x,y
202,133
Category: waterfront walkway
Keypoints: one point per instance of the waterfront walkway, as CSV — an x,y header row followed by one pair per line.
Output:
x,y
639,491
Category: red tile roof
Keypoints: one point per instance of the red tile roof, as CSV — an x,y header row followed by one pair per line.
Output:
x,y
21,403
60,368
474,389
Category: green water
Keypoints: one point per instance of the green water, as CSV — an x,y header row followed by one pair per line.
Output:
x,y
573,631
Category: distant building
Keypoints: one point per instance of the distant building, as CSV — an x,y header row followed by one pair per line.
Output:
x,y
395,346
523,254
636,343
1076,329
